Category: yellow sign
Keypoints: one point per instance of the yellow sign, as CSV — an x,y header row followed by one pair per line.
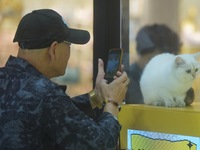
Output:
x,y
140,142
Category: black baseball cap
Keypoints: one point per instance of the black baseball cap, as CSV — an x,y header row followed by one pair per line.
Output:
x,y
40,28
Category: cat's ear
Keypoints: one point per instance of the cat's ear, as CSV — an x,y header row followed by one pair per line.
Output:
x,y
179,61
196,56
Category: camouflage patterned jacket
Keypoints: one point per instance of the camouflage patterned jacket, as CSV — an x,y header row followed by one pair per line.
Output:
x,y
35,114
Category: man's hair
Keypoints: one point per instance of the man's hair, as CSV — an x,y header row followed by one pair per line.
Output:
x,y
157,37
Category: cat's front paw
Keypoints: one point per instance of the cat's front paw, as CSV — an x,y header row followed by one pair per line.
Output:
x,y
170,104
180,103
157,103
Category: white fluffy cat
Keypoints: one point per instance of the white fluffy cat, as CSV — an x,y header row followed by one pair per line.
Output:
x,y
167,78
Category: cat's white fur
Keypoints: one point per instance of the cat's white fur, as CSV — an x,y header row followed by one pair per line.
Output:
x,y
167,78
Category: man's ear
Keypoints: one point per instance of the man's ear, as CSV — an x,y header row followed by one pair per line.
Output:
x,y
52,51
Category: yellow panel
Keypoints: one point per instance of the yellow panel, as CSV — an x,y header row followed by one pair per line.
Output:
x,y
183,121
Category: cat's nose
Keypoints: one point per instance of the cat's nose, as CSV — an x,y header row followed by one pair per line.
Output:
x,y
194,75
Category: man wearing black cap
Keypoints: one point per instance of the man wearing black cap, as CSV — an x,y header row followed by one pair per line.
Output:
x,y
34,112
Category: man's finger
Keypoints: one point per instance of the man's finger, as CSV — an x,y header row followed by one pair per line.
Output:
x,y
101,68
123,77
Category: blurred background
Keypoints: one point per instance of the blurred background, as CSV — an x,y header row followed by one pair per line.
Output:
x,y
183,16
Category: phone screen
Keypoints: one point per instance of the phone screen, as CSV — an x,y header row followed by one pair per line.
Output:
x,y
113,63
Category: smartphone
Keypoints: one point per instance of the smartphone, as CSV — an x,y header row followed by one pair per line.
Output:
x,y
113,63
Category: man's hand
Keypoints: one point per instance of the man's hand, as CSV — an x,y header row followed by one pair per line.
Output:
x,y
114,91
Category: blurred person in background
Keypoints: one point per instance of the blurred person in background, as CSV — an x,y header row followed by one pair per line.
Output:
x,y
151,40
36,113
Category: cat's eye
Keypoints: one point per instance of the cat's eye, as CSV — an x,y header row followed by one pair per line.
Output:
x,y
196,70
188,71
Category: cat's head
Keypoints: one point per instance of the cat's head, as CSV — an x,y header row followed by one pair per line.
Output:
x,y
187,66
